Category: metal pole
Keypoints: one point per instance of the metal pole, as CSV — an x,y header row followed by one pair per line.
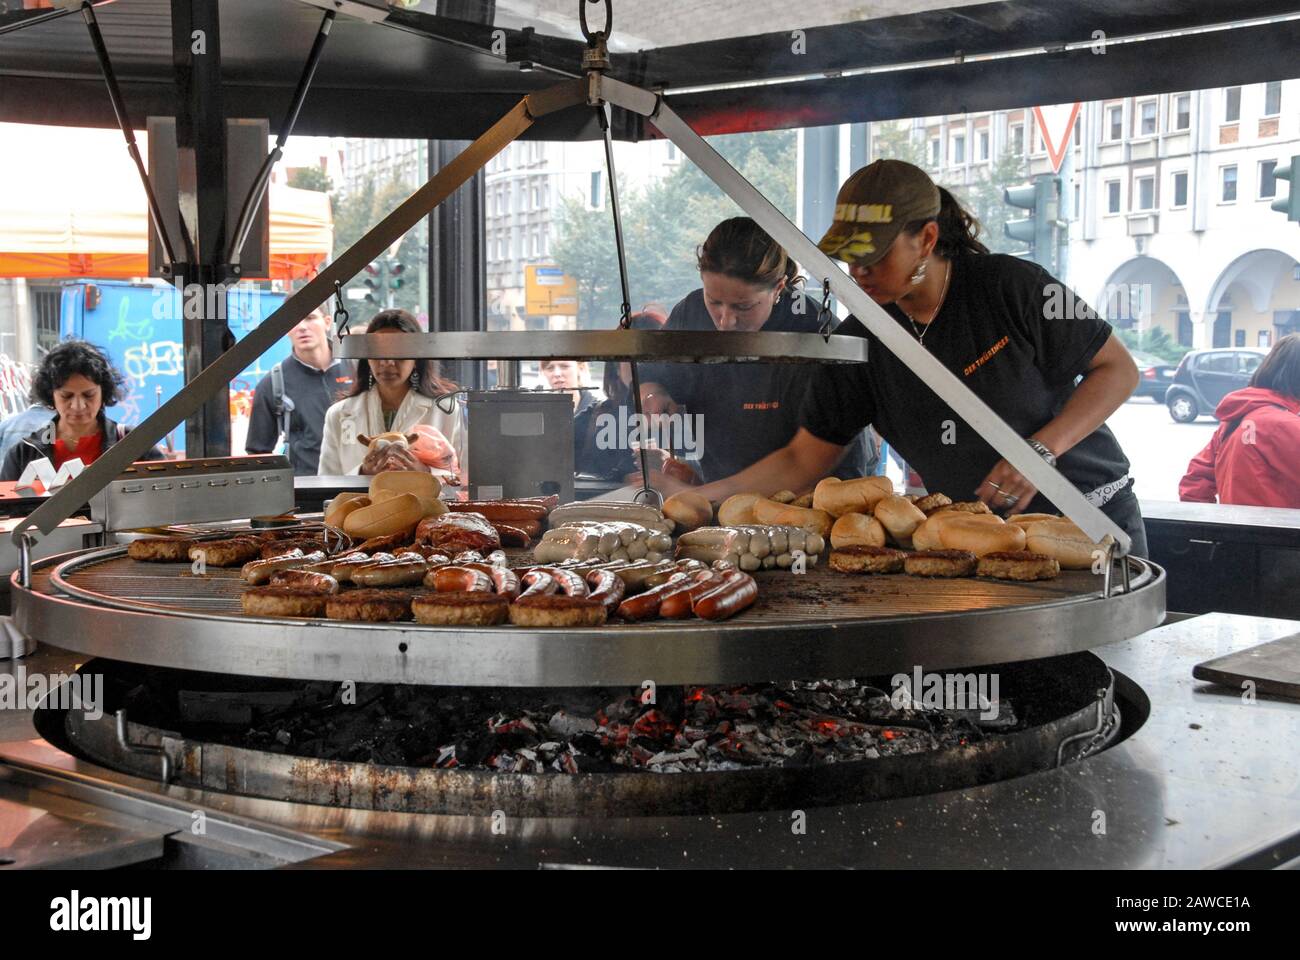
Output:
x,y
981,418
105,469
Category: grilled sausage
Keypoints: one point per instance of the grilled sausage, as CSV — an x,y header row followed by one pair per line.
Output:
x,y
403,571
607,587
738,592
677,603
306,581
458,579
646,605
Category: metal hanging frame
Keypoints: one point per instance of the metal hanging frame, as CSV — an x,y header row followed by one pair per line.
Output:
x,y
595,90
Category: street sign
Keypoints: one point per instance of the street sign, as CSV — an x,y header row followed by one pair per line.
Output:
x,y
1056,124
548,291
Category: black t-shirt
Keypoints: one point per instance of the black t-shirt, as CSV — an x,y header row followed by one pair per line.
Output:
x,y
749,409
1015,336
313,392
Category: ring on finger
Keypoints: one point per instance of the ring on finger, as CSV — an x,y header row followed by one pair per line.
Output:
x,y
995,486
1009,498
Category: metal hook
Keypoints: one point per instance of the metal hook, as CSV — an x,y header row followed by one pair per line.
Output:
x,y
340,312
824,315
587,33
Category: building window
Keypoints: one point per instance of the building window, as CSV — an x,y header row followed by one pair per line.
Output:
x,y
1232,104
1180,189
983,142
672,151
1229,180
1078,131
1146,193
934,152
1077,203
1273,98
597,195
1115,120
1112,196
1018,139
1239,338
1146,118
537,196
1267,179
1183,111
1265,338
959,148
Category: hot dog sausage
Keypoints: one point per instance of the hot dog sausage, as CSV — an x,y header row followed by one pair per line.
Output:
x,y
306,581
405,570
460,579
737,593
538,582
260,571
646,605
677,604
607,587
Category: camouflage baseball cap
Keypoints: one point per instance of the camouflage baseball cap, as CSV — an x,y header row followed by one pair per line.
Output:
x,y
874,205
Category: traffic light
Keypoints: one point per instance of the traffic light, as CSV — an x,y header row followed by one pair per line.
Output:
x,y
395,270
1042,200
373,281
1290,204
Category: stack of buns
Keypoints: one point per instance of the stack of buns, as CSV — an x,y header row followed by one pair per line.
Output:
x,y
398,500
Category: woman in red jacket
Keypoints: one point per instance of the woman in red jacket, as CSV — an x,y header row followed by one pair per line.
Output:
x,y
1254,456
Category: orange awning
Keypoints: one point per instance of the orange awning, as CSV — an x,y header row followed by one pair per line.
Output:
x,y
72,206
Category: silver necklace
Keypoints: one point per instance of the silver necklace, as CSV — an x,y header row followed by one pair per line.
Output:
x,y
916,328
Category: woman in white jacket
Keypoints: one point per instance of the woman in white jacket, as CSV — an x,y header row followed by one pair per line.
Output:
x,y
390,395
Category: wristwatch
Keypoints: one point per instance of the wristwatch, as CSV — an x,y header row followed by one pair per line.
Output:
x,y
1041,449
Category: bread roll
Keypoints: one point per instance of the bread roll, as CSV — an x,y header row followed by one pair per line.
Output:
x,y
405,481
929,535
812,520
342,505
968,532
432,506
738,509
689,510
1024,519
805,501
1063,541
857,530
900,518
386,518
838,497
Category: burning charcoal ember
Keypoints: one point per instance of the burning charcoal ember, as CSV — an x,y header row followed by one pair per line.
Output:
x,y
564,724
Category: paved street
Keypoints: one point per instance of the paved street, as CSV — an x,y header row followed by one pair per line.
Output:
x,y
1158,448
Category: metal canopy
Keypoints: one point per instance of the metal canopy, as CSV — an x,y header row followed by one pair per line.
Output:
x,y
392,79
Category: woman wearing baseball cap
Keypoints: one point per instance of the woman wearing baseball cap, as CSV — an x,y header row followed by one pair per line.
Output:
x,y
1016,336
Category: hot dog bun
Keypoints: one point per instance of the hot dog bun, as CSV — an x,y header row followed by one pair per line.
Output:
x,y
838,497
386,518
342,505
900,518
857,530
966,532
929,535
738,509
1063,541
689,510
1024,519
405,481
813,520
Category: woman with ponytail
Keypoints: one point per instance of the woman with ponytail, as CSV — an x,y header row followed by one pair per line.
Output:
x,y
1015,335
746,410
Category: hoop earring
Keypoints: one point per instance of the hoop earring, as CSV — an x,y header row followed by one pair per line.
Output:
x,y
918,274
415,379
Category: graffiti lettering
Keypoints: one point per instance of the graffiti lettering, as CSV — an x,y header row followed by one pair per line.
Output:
x,y
162,358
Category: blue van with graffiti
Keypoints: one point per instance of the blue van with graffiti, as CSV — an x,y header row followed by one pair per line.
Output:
x,y
139,326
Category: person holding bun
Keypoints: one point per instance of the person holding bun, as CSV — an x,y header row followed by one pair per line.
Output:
x,y
391,396
1015,335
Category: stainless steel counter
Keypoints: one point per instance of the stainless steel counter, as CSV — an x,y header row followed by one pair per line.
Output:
x,y
1208,781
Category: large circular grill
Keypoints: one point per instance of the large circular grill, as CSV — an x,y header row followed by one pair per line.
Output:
x,y
820,624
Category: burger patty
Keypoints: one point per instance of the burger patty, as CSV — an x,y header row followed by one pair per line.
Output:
x,y
461,607
935,501
940,563
278,601
1018,565
867,559
226,553
556,610
373,605
160,549
966,506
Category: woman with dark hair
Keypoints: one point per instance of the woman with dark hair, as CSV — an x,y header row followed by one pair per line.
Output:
x,y
393,396
1253,458
1015,335
747,410
78,382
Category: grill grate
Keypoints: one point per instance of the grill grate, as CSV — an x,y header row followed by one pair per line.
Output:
x,y
821,594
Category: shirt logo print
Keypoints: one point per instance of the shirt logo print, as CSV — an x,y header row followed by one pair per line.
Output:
x,y
986,356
